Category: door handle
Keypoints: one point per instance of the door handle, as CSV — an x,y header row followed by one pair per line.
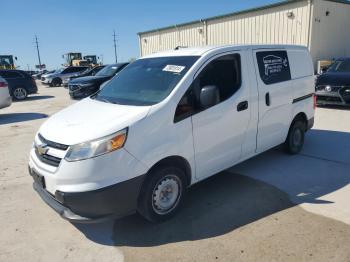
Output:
x,y
267,99
242,106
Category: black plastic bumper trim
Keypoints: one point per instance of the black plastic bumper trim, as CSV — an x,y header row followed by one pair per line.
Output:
x,y
94,206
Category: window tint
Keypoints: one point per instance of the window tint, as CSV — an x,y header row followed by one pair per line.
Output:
x,y
223,72
342,66
146,81
67,70
10,74
273,66
80,69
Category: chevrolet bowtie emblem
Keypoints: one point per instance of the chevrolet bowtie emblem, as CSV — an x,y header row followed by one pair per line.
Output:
x,y
42,149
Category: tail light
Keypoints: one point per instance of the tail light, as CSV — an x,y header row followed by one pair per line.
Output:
x,y
315,98
3,84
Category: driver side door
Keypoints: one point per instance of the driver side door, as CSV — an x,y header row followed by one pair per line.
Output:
x,y
218,131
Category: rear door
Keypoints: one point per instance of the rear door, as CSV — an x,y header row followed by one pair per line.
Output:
x,y
275,92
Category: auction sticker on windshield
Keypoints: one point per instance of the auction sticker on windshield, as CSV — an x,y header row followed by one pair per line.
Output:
x,y
174,68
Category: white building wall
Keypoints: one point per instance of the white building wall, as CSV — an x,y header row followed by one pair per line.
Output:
x,y
327,37
330,34
270,25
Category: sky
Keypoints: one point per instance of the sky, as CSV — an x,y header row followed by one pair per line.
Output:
x,y
87,26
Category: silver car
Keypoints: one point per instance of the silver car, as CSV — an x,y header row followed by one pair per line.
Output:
x,y
58,77
5,97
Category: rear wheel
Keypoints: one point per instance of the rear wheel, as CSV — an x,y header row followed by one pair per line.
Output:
x,y
295,139
162,193
20,93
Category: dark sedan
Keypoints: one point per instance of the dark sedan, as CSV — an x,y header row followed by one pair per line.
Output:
x,y
333,87
88,72
85,86
20,83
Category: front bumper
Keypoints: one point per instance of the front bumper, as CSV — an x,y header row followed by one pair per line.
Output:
x,y
334,95
94,206
46,81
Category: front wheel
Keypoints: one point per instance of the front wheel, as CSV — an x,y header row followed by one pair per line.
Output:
x,y
295,139
20,93
56,82
162,194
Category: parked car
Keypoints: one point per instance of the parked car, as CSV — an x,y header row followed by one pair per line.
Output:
x,y
85,86
5,97
88,72
20,83
333,86
56,78
168,121
40,73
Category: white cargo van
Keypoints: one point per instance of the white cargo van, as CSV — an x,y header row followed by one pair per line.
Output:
x,y
168,121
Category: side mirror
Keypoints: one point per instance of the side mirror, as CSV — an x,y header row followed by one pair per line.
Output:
x,y
209,96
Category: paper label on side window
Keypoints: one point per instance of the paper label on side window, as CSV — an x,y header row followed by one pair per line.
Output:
x,y
174,68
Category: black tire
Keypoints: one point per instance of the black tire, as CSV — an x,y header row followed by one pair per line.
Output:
x,y
19,93
56,82
150,199
295,139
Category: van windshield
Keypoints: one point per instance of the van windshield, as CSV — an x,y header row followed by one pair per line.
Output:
x,y
146,81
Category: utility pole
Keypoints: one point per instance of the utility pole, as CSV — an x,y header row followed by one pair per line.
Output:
x,y
115,47
37,49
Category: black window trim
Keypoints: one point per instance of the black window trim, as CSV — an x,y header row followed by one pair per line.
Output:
x,y
198,72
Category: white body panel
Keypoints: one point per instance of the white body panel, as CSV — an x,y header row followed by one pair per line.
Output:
x,y
209,141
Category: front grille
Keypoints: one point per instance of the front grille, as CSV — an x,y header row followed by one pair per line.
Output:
x,y
53,144
74,88
47,159
329,99
44,153
345,94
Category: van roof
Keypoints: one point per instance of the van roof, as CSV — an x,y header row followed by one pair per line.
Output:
x,y
199,51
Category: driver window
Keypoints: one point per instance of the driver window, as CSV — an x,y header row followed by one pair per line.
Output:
x,y
223,72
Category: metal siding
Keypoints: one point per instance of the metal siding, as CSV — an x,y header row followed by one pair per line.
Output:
x,y
267,26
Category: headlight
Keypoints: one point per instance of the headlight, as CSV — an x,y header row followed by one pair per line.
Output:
x,y
97,147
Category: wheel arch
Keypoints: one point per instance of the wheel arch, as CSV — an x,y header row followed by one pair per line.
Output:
x,y
176,161
300,116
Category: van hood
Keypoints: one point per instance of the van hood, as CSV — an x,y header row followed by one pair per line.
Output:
x,y
90,119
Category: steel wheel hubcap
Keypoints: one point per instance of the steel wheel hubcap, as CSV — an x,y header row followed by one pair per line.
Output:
x,y
166,194
20,93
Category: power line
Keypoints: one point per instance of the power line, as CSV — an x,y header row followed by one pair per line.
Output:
x,y
115,47
37,49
